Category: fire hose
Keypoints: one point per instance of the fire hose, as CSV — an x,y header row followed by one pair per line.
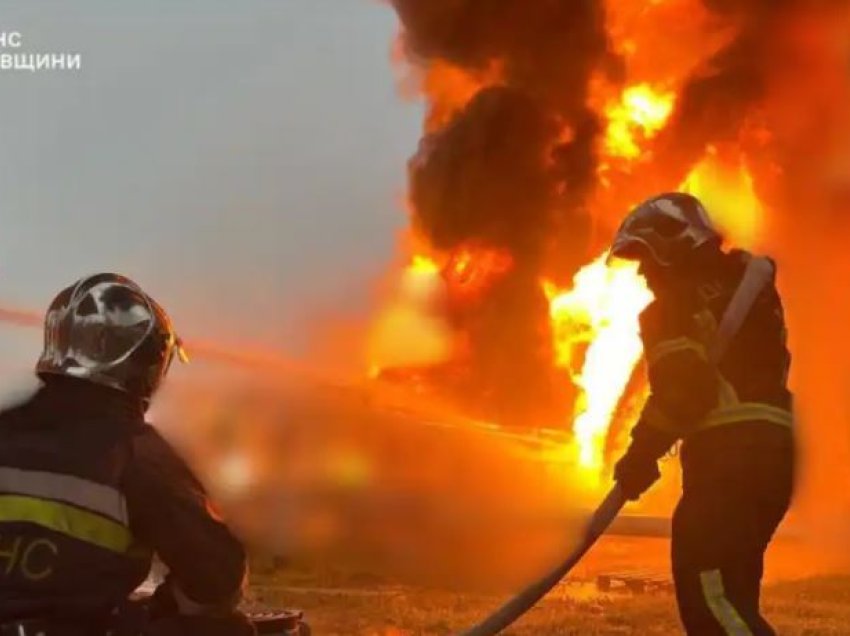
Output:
x,y
758,273
528,597
511,611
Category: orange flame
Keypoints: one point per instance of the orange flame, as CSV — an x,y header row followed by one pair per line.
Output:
x,y
600,312
471,269
594,322
450,88
726,188
636,117
409,331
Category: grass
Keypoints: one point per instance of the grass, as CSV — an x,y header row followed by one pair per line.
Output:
x,y
796,599
819,606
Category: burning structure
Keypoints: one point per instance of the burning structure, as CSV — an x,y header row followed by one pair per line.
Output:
x,y
545,123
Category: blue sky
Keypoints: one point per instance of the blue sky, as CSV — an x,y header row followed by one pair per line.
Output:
x,y
244,161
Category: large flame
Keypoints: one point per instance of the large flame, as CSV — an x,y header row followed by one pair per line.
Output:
x,y
636,117
669,114
599,315
726,188
594,323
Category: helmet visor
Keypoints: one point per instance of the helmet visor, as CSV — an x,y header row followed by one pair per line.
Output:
x,y
109,323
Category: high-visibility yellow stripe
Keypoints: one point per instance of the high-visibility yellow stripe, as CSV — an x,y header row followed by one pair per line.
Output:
x,y
675,345
66,519
726,394
83,493
747,411
725,613
734,414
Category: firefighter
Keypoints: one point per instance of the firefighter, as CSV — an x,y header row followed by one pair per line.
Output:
x,y
88,490
733,414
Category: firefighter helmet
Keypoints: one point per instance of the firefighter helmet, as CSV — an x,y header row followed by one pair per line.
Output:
x,y
665,228
106,330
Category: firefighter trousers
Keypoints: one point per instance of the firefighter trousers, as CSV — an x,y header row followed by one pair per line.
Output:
x,y
733,500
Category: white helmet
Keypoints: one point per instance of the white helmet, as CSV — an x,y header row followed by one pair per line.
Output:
x,y
106,330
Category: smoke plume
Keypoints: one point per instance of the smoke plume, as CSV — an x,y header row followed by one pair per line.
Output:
x,y
511,166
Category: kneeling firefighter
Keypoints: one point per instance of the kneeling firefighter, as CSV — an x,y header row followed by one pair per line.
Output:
x,y
732,411
88,490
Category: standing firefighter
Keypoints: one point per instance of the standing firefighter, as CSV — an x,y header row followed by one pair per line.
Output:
x,y
732,411
88,491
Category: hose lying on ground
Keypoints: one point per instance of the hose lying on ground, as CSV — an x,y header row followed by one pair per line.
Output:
x,y
528,597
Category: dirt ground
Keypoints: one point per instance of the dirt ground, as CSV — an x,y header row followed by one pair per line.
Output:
x,y
801,597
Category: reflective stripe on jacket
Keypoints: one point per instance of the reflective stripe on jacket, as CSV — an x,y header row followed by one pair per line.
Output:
x,y
72,506
688,392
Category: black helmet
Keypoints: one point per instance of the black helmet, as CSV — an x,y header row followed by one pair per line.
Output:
x,y
665,228
106,330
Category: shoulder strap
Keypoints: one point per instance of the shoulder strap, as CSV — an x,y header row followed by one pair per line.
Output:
x,y
758,273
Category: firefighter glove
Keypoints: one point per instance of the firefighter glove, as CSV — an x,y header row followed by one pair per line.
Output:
x,y
635,473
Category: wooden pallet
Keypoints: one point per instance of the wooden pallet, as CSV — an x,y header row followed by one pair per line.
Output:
x,y
635,581
279,622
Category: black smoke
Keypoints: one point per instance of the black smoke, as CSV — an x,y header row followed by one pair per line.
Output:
x,y
513,168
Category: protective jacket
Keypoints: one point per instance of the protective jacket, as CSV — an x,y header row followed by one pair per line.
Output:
x,y
88,492
689,395
737,454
